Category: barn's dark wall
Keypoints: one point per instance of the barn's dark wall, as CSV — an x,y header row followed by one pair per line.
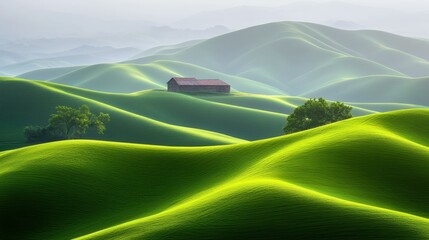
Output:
x,y
204,88
174,87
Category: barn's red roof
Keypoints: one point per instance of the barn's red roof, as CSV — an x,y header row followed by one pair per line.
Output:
x,y
199,82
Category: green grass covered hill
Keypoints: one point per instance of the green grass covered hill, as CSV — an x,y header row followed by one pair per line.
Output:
x,y
298,59
49,73
156,116
153,117
26,103
364,178
377,89
127,78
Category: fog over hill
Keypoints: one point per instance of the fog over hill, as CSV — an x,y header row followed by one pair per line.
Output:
x,y
147,24
346,15
293,58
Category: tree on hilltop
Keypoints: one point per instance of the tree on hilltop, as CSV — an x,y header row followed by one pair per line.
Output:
x,y
315,113
68,123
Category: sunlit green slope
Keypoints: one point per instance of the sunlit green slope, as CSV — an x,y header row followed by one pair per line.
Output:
x,y
126,78
363,178
26,103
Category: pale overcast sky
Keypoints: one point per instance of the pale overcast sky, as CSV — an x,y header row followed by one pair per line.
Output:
x,y
163,10
59,18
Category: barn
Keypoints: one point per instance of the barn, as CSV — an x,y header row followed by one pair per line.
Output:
x,y
197,85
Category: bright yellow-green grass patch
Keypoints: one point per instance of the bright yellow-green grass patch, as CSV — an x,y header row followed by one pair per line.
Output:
x,y
365,177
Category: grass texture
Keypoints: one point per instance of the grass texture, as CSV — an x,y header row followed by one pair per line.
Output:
x,y
364,178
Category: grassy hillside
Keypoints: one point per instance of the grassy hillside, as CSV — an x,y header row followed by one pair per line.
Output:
x,y
30,103
414,90
286,104
156,117
126,78
153,113
285,187
299,59
385,107
289,50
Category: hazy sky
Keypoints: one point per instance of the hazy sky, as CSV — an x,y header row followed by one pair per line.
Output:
x,y
164,11
88,18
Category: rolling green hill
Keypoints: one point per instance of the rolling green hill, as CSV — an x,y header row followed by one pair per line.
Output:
x,y
48,63
30,103
127,78
168,49
354,185
43,74
414,90
154,117
157,116
298,59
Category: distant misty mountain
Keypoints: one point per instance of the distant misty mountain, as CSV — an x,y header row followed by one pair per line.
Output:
x,y
335,14
35,47
19,56
292,58
167,49
161,35
7,57
144,38
15,64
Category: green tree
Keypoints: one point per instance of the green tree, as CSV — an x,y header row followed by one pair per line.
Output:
x,y
68,123
315,113
37,133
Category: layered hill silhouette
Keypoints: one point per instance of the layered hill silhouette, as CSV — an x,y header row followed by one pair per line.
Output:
x,y
217,166
157,116
84,55
128,78
8,57
285,187
26,103
298,59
